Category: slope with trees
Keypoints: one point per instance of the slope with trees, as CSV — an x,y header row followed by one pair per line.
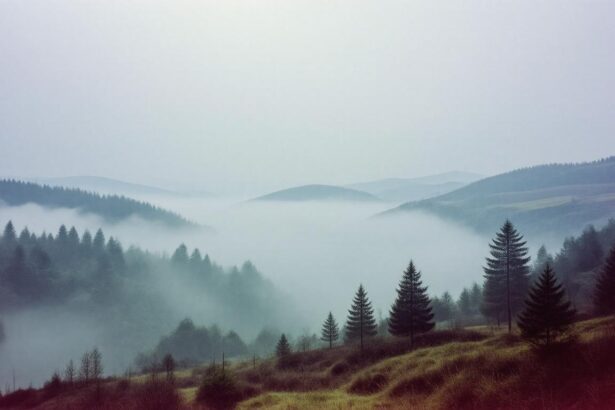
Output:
x,y
111,208
556,198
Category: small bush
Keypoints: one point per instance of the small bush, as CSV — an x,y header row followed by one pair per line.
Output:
x,y
157,395
219,390
340,368
19,398
369,384
53,386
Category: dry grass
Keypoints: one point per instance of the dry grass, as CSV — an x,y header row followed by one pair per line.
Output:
x,y
499,372
479,369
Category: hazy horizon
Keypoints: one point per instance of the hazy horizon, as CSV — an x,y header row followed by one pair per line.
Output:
x,y
244,97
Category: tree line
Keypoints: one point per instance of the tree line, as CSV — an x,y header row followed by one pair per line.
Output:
x,y
513,292
112,208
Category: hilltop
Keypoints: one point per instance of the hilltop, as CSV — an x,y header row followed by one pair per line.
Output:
x,y
560,198
414,189
319,193
112,208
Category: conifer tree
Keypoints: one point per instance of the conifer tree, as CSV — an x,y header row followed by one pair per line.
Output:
x,y
283,347
330,330
547,315
360,322
9,233
411,313
506,275
604,292
465,303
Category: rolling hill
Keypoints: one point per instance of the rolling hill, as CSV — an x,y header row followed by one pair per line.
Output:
x,y
559,198
111,208
414,189
110,186
318,193
102,185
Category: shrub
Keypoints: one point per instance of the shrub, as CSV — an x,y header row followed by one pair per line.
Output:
x,y
158,395
369,384
219,390
53,386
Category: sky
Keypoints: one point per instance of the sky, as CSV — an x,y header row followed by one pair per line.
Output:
x,y
254,95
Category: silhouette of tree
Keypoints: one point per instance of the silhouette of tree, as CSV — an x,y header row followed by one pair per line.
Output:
x,y
547,315
604,292
283,347
360,322
330,330
411,313
168,363
506,275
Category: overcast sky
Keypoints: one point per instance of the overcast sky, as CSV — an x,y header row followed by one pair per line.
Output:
x,y
256,94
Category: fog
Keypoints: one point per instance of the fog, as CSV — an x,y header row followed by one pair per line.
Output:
x,y
315,253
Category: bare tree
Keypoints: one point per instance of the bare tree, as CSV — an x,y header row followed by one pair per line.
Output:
x,y
69,373
169,367
96,367
85,372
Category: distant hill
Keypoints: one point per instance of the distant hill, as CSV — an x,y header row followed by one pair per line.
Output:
x,y
112,208
413,189
555,198
319,193
103,185
109,186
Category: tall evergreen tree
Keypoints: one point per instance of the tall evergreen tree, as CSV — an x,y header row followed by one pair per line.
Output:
x,y
411,313
99,240
506,275
9,233
330,331
547,314
283,347
604,292
443,307
465,303
476,297
361,322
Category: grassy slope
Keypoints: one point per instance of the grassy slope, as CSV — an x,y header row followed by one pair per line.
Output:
x,y
478,369
498,372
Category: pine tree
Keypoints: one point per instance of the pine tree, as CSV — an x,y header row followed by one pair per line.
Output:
x,y
476,296
283,347
465,303
604,292
411,312
547,315
360,322
330,330
9,233
506,275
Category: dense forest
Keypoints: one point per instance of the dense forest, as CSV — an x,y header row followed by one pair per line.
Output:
x,y
134,295
112,208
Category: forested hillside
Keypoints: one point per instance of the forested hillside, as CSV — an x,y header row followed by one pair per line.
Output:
x,y
557,198
132,294
111,208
